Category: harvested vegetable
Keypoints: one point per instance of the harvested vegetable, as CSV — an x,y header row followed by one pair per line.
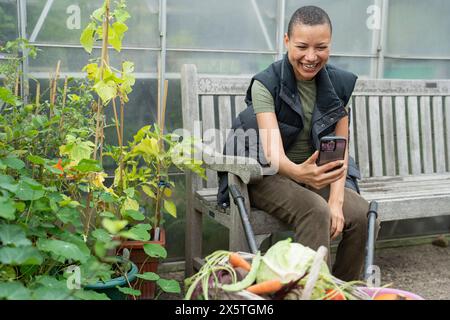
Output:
x,y
333,294
249,279
287,261
266,287
237,261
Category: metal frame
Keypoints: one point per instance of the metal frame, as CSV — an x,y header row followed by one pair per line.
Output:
x,y
377,56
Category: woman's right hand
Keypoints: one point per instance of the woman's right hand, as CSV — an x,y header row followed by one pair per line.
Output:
x,y
316,176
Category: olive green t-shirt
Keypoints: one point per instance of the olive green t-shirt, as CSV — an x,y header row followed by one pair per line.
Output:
x,y
262,100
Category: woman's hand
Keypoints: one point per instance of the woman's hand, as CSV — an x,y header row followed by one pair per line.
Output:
x,y
318,176
337,220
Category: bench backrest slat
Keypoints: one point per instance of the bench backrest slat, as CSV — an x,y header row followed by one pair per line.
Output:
x,y
413,132
376,154
398,127
402,138
361,134
208,126
439,141
388,131
447,130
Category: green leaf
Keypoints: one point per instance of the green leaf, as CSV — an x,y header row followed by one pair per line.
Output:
x,y
148,191
114,226
8,97
107,214
20,256
87,37
13,234
115,35
36,159
70,215
150,276
134,214
121,15
170,207
129,291
106,90
155,250
61,248
129,192
26,191
13,163
88,165
90,295
14,291
98,13
169,286
101,235
7,208
46,293
139,233
8,183
129,204
106,197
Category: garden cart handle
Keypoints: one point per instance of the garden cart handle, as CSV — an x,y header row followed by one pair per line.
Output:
x,y
239,201
370,245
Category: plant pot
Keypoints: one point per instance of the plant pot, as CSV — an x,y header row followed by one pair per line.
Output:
x,y
144,263
110,287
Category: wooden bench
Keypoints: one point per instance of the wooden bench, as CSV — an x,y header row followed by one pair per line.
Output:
x,y
399,137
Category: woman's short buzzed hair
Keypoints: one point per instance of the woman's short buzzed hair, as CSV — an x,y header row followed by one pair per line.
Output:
x,y
310,16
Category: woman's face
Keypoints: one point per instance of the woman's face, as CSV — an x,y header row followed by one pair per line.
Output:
x,y
308,49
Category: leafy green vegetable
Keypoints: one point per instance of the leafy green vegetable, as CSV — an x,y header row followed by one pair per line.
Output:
x,y
287,261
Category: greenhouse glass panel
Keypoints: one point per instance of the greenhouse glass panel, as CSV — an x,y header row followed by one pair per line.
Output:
x,y
69,17
352,27
217,24
424,33
416,69
219,63
359,66
8,20
74,59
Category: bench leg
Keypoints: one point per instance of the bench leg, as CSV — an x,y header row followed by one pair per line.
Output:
x,y
193,237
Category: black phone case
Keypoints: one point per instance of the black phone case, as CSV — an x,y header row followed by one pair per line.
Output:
x,y
329,156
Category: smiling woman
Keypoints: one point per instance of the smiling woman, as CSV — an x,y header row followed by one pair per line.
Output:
x,y
294,103
308,42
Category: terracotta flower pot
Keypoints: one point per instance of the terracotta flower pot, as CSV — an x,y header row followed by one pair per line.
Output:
x,y
144,263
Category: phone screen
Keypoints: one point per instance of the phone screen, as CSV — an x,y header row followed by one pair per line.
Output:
x,y
331,149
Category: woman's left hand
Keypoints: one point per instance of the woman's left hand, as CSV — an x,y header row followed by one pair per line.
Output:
x,y
337,220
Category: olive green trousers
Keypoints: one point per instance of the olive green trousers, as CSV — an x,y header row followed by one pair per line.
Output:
x,y
307,211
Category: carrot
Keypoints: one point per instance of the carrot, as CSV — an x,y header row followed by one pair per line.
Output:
x,y
266,287
237,261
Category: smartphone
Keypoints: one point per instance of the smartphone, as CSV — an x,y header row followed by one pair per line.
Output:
x,y
332,148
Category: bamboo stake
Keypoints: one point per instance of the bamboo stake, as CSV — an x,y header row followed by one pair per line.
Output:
x,y
38,94
99,119
55,83
61,121
116,120
16,86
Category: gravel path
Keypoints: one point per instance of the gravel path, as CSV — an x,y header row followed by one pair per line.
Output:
x,y
424,270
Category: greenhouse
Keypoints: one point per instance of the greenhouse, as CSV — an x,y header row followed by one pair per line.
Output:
x,y
114,151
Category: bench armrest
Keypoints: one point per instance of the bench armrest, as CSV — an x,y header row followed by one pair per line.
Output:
x,y
247,169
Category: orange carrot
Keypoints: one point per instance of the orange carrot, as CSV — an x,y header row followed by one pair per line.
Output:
x,y
237,261
266,287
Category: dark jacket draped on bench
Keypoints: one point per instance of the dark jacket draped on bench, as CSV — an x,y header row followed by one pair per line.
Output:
x,y
334,89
